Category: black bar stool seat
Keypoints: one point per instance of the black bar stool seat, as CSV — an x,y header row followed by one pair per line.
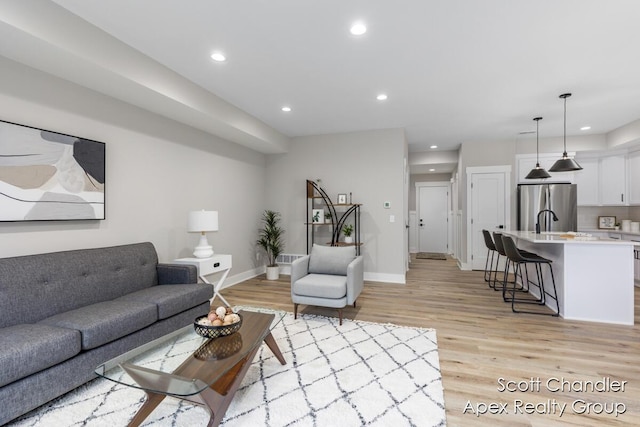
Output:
x,y
519,258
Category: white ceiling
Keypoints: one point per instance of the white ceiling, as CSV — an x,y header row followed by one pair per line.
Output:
x,y
454,70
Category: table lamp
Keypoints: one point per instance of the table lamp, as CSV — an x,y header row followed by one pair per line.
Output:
x,y
202,222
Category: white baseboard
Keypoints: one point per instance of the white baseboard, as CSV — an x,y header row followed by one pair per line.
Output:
x,y
241,277
386,278
286,270
464,266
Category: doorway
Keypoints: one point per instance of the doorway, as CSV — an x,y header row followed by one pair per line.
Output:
x,y
488,208
433,200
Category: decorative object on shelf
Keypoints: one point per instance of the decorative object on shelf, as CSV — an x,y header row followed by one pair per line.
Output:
x,y
270,239
327,217
347,230
342,199
565,164
339,214
318,216
537,172
607,222
202,222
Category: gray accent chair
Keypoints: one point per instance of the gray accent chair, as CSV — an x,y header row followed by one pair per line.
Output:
x,y
331,276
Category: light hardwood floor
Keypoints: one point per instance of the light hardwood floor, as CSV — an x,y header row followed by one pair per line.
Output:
x,y
480,340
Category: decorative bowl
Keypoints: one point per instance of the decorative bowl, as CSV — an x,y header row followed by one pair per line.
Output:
x,y
216,331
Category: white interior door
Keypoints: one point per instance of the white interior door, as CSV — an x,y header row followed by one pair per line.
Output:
x,y
489,205
433,213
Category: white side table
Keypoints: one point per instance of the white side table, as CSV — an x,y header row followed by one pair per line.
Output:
x,y
218,263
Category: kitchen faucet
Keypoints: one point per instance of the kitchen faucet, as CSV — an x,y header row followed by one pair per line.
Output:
x,y
555,218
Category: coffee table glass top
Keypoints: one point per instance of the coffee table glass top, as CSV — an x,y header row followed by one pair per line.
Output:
x,y
183,363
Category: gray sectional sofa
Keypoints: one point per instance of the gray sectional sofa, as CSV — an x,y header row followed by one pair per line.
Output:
x,y
64,313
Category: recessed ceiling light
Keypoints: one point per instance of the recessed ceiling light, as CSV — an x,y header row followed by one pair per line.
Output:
x,y
585,128
381,97
218,57
286,109
358,29
432,170
434,146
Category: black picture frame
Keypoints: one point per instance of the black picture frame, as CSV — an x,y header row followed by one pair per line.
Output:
x,y
50,176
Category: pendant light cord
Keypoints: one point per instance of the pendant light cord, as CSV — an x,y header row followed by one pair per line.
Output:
x,y
565,126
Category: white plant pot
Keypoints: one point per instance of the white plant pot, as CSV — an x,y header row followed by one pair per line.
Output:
x,y
273,273
348,239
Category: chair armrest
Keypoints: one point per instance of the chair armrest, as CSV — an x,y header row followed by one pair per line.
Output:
x,y
177,274
355,279
299,269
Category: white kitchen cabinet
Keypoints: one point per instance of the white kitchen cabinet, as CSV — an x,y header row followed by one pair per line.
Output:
x,y
633,164
588,180
613,180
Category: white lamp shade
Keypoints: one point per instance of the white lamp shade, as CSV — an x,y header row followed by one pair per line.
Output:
x,y
202,221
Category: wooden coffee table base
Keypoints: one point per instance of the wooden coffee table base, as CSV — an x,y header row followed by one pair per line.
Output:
x,y
218,396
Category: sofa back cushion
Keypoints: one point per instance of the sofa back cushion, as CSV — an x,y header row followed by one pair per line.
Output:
x,y
34,287
331,259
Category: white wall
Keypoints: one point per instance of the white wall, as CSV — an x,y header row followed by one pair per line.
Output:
x,y
368,164
157,171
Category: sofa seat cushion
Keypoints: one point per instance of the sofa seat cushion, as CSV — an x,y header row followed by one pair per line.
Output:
x,y
171,299
321,286
30,348
105,321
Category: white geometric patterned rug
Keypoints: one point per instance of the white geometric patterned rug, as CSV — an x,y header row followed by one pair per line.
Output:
x,y
356,374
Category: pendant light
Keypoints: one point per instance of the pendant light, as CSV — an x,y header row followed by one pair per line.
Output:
x,y
565,164
537,172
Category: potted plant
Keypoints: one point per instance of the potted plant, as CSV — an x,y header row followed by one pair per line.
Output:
x,y
270,239
347,230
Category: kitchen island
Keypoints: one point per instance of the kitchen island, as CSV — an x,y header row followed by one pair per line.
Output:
x,y
594,276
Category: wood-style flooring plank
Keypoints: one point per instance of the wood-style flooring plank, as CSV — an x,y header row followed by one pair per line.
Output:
x,y
480,340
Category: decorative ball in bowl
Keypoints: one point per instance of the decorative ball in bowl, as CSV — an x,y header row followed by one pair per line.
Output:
x,y
213,326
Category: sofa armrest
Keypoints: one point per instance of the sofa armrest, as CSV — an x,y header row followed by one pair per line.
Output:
x,y
177,274
355,279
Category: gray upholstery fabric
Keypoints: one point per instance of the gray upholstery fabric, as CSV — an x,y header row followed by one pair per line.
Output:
x,y
176,274
80,290
321,286
24,395
63,281
331,259
106,321
24,345
171,299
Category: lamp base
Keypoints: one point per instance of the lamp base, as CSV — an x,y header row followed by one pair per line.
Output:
x,y
204,249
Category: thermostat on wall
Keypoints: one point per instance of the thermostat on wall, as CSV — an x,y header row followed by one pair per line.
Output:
x,y
387,205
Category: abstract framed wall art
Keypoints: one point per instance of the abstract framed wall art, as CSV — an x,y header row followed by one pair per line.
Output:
x,y
50,176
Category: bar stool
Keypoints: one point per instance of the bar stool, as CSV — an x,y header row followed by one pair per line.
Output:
x,y
519,258
497,240
488,265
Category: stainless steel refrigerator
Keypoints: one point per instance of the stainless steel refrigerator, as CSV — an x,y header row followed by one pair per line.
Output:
x,y
560,198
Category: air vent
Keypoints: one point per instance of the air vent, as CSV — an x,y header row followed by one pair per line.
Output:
x,y
287,258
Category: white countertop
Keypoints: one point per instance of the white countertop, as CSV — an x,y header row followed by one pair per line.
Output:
x,y
562,238
602,230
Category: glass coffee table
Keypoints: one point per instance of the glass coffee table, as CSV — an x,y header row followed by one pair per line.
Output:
x,y
187,366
